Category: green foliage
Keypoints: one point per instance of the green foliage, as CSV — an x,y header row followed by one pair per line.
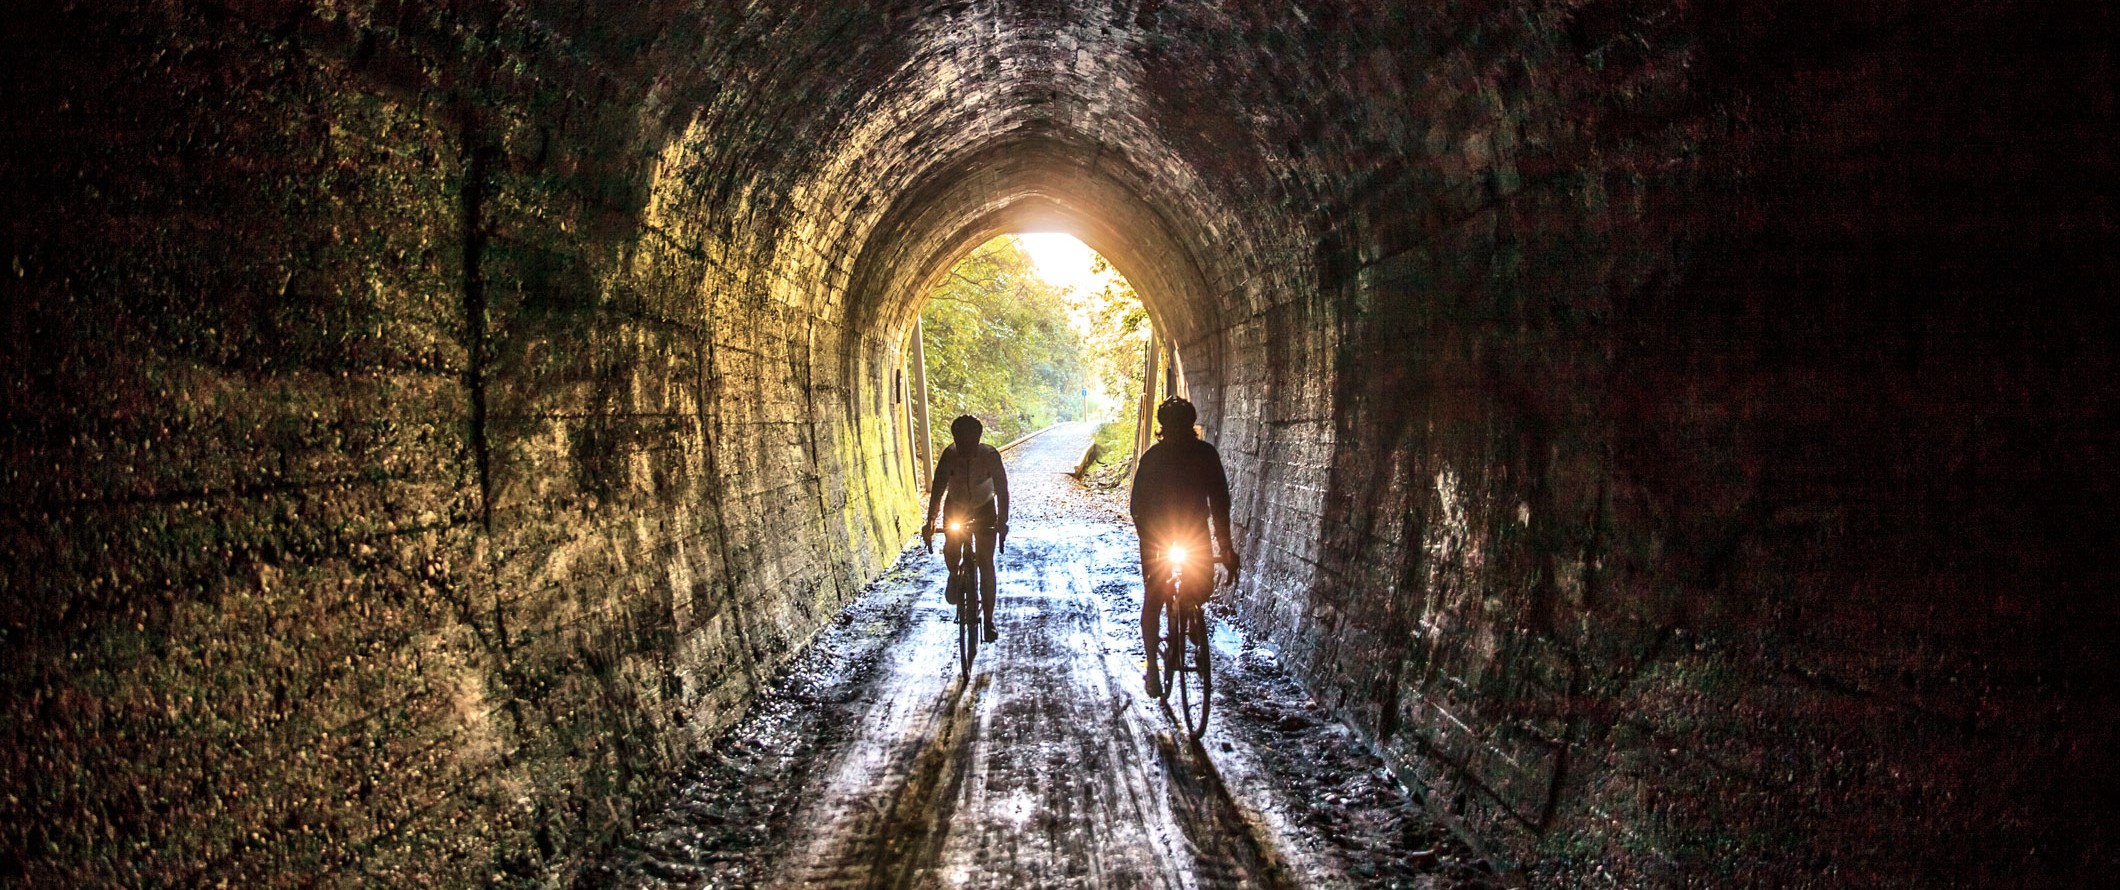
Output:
x,y
1118,338
1115,440
999,346
1115,451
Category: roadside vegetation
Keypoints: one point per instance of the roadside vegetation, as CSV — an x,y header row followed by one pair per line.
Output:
x,y
1115,453
1119,332
999,346
1018,351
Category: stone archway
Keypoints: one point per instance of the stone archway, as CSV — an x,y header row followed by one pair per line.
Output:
x,y
423,427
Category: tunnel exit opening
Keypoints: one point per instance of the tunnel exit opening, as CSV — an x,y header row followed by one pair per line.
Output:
x,y
1026,330
1045,185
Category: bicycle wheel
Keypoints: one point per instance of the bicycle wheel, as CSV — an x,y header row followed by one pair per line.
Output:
x,y
1172,638
1196,679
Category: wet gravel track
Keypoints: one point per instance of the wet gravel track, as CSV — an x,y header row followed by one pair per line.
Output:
x,y
873,764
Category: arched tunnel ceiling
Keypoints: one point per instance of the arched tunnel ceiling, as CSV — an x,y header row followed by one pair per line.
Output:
x,y
986,117
1032,184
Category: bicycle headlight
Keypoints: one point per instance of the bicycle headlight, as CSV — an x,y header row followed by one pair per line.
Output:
x,y
1176,553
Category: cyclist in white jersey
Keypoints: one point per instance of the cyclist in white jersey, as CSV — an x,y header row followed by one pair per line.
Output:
x,y
971,487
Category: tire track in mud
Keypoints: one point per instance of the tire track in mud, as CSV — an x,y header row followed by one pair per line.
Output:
x,y
1217,823
907,837
877,818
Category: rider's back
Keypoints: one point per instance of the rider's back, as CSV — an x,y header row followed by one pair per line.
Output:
x,y
1178,486
968,477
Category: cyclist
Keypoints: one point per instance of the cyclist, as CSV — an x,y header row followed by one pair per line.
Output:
x,y
1180,497
970,475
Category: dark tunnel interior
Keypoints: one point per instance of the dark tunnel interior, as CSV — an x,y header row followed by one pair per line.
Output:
x,y
1676,433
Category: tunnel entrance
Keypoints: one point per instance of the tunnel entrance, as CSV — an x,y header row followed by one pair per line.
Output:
x,y
1027,330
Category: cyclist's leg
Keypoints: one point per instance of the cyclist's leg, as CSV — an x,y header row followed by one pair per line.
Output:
x,y
1153,592
952,554
957,557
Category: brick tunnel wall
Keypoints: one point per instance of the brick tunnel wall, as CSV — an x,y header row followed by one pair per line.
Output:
x,y
1716,487
402,477
1669,429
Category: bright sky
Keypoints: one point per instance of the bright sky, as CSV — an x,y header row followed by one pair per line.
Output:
x,y
1063,261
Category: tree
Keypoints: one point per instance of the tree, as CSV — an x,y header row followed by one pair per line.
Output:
x,y
1117,338
999,346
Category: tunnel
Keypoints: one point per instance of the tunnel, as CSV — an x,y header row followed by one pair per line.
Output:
x,y
1675,435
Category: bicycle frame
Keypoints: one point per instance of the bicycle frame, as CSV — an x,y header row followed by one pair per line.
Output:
x,y
1185,627
964,575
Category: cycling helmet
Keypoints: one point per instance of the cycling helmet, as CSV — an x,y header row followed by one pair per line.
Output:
x,y
1176,414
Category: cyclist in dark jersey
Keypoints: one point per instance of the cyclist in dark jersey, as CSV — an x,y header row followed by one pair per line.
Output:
x,y
970,477
1180,498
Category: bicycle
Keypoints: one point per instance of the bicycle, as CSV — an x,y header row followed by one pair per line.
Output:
x,y
962,589
1185,622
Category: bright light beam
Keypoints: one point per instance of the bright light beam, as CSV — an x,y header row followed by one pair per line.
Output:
x,y
1063,260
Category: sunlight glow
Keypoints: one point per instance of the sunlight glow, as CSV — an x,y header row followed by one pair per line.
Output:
x,y
1063,260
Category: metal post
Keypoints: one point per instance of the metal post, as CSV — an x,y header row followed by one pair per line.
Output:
x,y
1171,371
1145,419
921,440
